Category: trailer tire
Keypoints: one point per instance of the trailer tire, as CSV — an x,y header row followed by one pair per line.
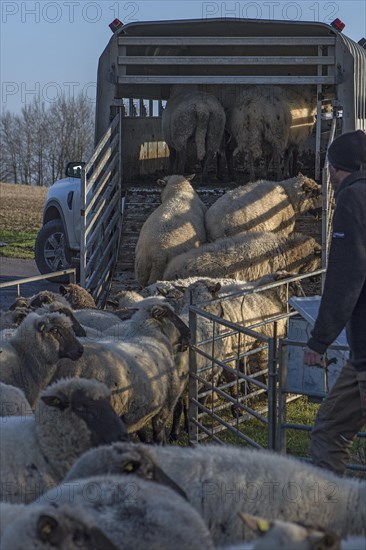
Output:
x,y
51,250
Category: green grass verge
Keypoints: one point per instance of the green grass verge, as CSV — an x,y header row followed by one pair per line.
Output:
x,y
19,244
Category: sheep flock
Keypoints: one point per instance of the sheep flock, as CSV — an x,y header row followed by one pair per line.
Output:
x,y
91,399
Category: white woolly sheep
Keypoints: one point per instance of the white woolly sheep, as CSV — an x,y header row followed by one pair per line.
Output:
x,y
131,512
71,416
221,480
262,206
141,371
177,225
260,123
29,358
301,103
13,401
8,514
192,115
248,256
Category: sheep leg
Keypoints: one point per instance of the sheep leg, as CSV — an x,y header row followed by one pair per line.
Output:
x,y
158,423
177,413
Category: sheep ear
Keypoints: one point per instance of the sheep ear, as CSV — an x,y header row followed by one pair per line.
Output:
x,y
41,326
162,182
161,477
191,177
256,523
46,528
63,290
214,288
158,312
53,401
130,466
20,316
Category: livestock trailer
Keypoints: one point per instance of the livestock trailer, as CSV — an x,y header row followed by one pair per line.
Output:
x,y
136,71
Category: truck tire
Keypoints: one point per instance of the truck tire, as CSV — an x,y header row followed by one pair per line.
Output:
x,y
51,251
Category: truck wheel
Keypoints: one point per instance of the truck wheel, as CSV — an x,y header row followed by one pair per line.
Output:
x,y
51,253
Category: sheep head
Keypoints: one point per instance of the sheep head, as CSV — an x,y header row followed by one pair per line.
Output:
x,y
168,321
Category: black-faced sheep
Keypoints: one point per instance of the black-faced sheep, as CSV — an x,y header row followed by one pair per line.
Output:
x,y
28,359
176,226
192,115
141,370
262,206
71,416
248,256
131,512
54,527
221,481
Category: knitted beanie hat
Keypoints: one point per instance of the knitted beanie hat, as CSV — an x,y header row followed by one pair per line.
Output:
x,y
348,152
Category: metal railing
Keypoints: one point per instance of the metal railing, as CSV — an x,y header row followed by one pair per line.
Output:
x,y
101,213
19,282
242,407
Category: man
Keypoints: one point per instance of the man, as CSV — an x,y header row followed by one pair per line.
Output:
x,y
343,304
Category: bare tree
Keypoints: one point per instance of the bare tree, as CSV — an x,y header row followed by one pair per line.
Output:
x,y
38,143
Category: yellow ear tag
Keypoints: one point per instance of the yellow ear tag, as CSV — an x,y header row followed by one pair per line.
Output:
x,y
128,467
46,529
263,525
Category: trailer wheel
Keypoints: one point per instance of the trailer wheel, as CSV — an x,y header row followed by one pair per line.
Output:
x,y
51,251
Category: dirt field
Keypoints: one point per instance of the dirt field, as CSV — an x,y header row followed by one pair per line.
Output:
x,y
21,207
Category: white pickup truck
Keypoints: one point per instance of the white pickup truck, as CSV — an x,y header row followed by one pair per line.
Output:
x,y
58,242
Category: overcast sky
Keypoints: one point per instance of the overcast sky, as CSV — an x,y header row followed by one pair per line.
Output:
x,y
49,47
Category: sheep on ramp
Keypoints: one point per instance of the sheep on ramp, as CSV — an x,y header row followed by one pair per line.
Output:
x,y
192,115
176,226
221,480
139,368
262,206
71,416
248,256
29,358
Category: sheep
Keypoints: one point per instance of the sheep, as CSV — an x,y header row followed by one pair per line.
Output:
x,y
50,527
12,318
177,225
13,401
65,309
262,206
141,371
221,480
71,294
8,513
284,535
129,512
301,104
192,115
71,416
77,296
260,124
248,256
29,358
97,320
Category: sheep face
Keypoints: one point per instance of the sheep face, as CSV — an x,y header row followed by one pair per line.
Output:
x,y
59,307
56,330
56,527
172,326
80,410
122,458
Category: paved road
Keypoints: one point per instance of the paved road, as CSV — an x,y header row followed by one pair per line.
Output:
x,y
12,269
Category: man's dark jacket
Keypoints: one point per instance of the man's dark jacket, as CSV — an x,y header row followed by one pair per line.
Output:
x,y
343,303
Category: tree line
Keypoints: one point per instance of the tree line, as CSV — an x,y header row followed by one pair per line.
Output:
x,y
37,144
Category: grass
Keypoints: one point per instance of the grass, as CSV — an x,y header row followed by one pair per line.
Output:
x,y
21,208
